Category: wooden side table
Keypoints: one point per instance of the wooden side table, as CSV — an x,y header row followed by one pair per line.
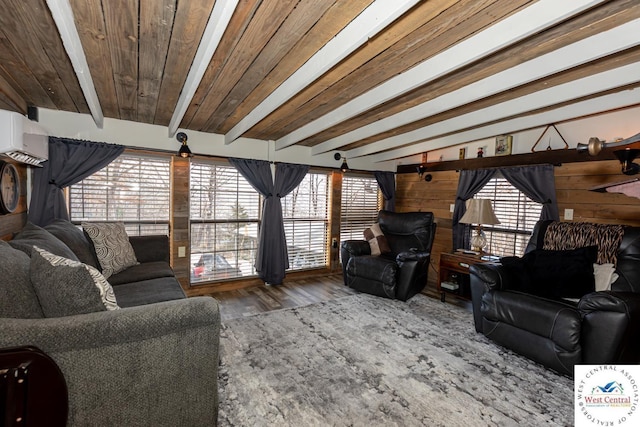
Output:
x,y
454,273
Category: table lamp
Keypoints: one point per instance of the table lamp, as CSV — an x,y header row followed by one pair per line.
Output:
x,y
479,211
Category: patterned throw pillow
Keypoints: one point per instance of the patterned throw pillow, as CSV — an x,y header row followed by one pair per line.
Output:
x,y
65,287
112,245
377,242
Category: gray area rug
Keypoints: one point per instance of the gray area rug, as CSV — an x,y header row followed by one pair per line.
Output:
x,y
367,361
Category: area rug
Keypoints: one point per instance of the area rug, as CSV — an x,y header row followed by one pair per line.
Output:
x,y
366,361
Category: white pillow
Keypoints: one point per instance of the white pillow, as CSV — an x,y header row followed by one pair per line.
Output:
x,y
605,275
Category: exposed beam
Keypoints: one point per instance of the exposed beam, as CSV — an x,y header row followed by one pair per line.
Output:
x,y
63,17
569,112
216,26
370,22
581,52
531,20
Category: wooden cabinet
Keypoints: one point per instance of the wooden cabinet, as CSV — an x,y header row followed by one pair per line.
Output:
x,y
454,273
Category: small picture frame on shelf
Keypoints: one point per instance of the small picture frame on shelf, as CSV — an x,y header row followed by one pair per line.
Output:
x,y
503,145
462,154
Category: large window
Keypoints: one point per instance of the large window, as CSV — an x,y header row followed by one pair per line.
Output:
x,y
360,206
225,215
306,223
517,214
133,189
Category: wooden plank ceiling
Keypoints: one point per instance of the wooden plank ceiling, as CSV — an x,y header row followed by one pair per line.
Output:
x,y
444,72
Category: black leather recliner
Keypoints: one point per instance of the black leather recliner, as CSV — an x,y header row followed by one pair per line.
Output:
x,y
601,328
400,274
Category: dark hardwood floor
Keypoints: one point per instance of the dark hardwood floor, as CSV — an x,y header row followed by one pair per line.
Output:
x,y
297,293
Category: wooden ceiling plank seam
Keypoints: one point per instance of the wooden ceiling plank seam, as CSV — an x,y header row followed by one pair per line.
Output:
x,y
264,24
565,92
156,24
17,24
238,24
432,36
297,23
188,27
569,112
596,20
216,26
41,22
265,27
11,97
370,22
317,98
91,27
121,18
573,55
527,22
327,26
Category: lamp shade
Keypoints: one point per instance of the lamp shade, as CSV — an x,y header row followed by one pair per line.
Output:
x,y
479,211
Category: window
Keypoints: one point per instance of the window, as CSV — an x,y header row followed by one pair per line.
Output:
x,y
133,189
517,214
306,223
225,217
360,206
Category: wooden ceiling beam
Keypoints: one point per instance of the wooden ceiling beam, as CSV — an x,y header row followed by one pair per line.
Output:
x,y
517,27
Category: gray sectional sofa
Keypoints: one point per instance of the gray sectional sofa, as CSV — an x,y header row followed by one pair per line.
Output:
x,y
154,361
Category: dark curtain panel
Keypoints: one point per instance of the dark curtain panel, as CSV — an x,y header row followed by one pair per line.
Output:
x,y
272,258
537,183
258,174
70,161
387,184
469,183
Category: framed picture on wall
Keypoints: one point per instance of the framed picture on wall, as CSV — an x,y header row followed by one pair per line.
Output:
x,y
462,154
503,145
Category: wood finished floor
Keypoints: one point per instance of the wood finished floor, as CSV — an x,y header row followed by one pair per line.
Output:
x,y
296,293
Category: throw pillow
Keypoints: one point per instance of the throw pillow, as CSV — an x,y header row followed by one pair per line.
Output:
x,y
113,249
377,242
18,299
553,273
562,274
75,239
605,275
66,287
32,235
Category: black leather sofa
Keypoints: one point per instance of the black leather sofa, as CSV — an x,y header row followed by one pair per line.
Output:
x,y
401,273
600,328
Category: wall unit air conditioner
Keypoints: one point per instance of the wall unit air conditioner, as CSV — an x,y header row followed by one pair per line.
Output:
x,y
23,140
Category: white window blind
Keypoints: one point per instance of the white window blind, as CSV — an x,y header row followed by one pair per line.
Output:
x,y
306,223
360,205
517,214
133,189
225,218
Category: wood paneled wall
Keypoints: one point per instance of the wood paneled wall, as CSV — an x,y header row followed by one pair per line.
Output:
x,y
14,222
573,181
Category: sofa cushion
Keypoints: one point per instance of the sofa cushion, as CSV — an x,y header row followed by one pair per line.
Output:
x,y
66,287
113,249
32,235
76,240
553,274
148,292
18,299
143,271
377,242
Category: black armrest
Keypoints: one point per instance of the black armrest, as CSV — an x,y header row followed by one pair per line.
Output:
x,y
610,327
483,278
355,248
413,255
151,248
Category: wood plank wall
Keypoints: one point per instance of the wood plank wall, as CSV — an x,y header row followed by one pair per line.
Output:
x,y
573,181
